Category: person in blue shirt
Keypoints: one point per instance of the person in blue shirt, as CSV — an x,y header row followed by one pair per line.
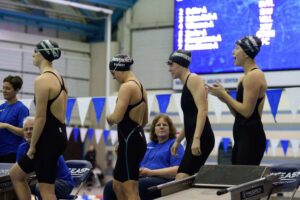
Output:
x,y
64,183
159,165
12,114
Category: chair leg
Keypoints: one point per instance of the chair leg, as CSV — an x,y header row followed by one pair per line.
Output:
x,y
295,190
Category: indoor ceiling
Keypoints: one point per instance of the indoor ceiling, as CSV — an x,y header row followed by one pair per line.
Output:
x,y
44,14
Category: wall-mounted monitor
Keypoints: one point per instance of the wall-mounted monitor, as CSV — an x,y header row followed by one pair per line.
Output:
x,y
210,28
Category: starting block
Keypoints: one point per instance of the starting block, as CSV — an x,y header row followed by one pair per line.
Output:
x,y
282,178
242,182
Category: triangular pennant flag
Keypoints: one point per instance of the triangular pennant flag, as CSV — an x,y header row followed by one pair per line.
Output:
x,y
267,145
113,136
147,136
183,142
98,106
69,131
106,134
150,98
284,145
90,133
83,132
217,142
233,93
98,134
26,102
274,144
293,97
70,106
163,102
83,106
111,104
75,134
295,146
218,106
226,142
2,101
274,98
177,99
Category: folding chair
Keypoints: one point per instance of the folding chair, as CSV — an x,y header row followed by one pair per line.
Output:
x,y
289,178
80,171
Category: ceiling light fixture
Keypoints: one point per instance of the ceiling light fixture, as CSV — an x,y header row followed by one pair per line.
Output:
x,y
82,6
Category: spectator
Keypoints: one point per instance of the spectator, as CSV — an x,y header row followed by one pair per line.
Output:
x,y
159,165
12,114
64,183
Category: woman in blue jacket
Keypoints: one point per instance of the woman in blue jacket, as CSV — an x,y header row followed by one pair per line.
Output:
x,y
12,114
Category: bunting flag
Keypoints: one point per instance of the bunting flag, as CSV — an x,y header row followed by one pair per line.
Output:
x,y
274,98
150,98
267,145
218,106
163,102
183,142
147,136
113,136
111,104
177,100
98,134
106,134
26,102
2,101
274,144
83,132
75,134
70,105
90,134
69,131
83,106
233,93
217,142
98,106
225,142
284,145
293,97
295,146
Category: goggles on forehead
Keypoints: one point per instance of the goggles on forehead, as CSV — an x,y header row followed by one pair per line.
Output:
x,y
169,62
38,50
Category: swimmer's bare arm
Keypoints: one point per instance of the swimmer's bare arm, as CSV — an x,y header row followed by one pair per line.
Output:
x,y
199,93
124,96
177,142
42,91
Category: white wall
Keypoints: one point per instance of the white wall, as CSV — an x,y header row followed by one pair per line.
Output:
x,y
74,65
46,32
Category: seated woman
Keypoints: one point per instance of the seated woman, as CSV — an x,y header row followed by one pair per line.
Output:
x,y
159,165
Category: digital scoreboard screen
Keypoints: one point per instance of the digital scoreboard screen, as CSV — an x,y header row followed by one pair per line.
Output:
x,y
210,28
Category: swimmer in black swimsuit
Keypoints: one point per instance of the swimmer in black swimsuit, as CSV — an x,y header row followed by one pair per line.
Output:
x,y
197,129
248,133
131,115
49,138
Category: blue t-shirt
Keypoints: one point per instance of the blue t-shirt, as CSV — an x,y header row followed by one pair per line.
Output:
x,y
14,115
62,170
159,155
